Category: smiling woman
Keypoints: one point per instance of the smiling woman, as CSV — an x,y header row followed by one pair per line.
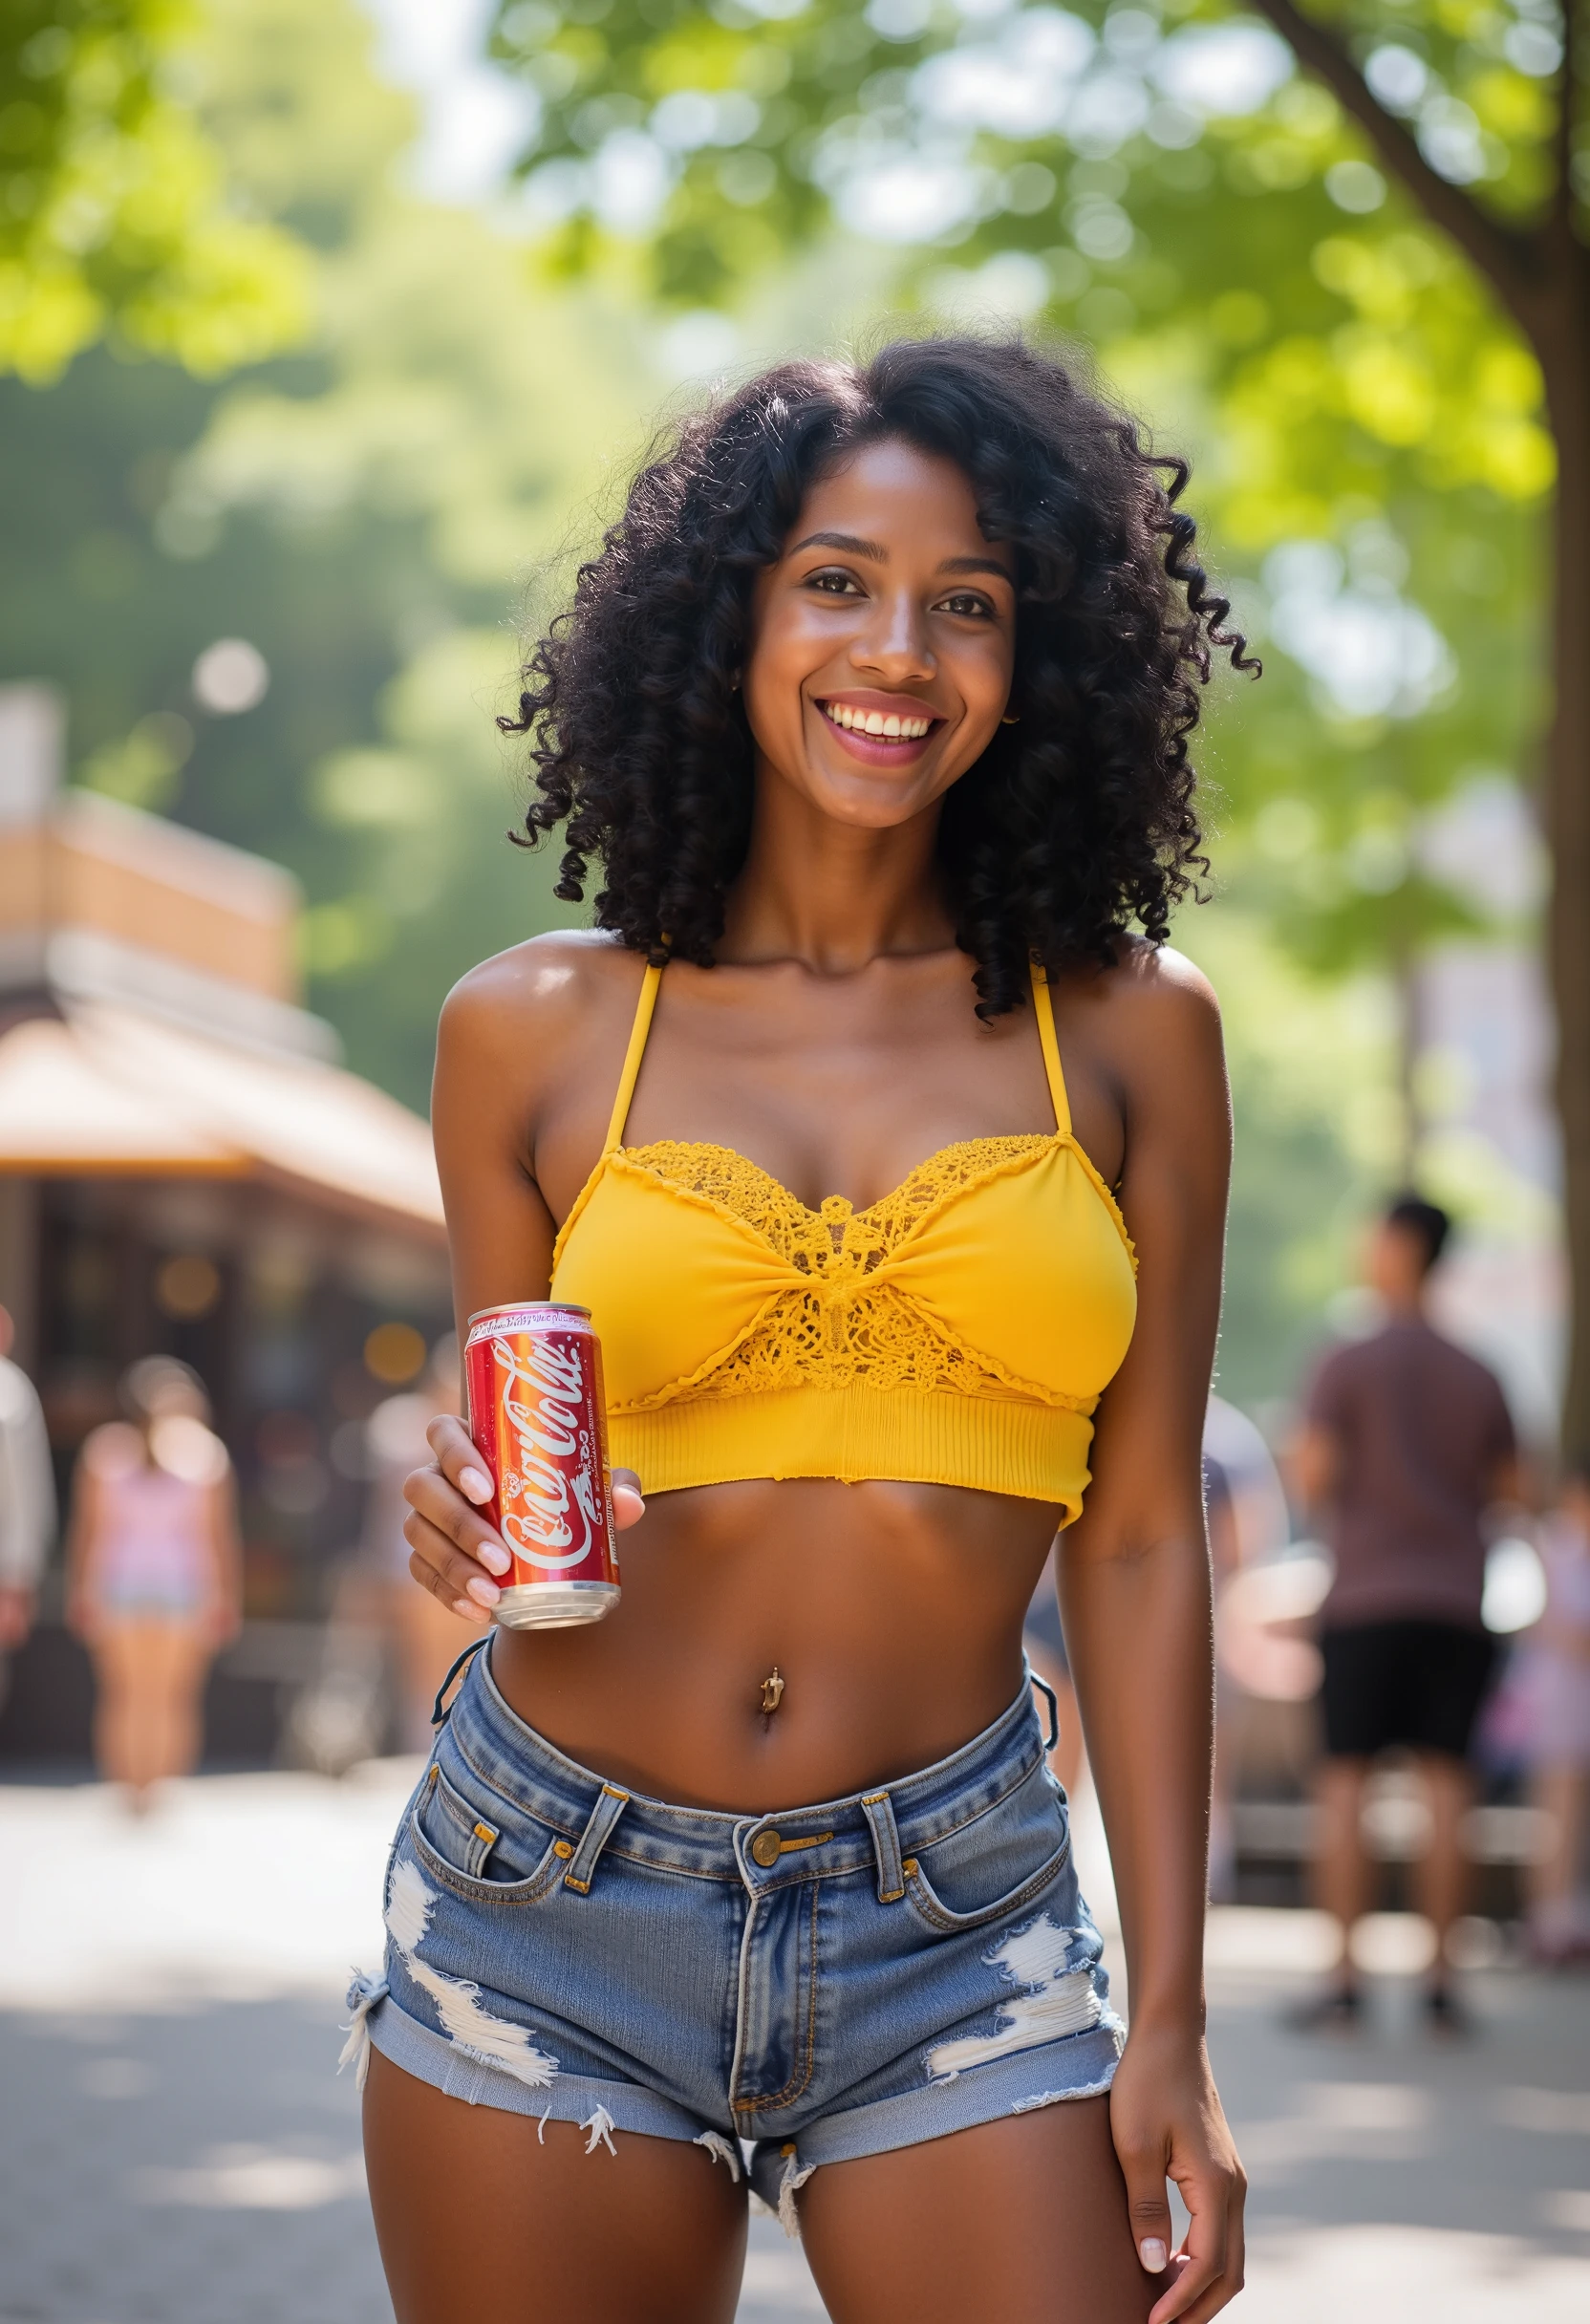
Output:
x,y
874,706
1076,821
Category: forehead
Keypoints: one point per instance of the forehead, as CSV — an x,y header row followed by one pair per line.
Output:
x,y
901,498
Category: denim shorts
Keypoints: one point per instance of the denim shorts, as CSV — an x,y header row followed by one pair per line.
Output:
x,y
785,1991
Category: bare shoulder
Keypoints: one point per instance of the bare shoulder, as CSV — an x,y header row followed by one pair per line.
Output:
x,y
536,996
1155,1005
1156,984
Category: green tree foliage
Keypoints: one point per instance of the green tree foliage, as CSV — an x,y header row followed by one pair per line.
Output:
x,y
115,214
364,512
726,129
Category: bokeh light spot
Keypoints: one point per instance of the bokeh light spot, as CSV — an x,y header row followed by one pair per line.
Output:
x,y
394,1353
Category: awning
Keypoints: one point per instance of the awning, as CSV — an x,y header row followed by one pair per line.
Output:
x,y
107,1089
61,1110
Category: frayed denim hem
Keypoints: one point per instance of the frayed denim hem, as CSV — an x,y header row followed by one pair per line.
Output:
x,y
1082,2066
598,2108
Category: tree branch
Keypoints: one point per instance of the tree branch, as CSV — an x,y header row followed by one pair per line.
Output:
x,y
1504,256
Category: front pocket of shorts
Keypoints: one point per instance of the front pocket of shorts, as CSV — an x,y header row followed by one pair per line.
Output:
x,y
920,1891
459,1844
998,1847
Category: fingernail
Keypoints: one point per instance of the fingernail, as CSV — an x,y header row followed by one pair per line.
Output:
x,y
1153,2255
495,1561
483,1592
476,1484
468,1607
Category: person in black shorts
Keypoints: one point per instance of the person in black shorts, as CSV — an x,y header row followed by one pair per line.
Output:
x,y
1407,1443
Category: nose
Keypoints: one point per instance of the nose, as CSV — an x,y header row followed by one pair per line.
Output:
x,y
893,645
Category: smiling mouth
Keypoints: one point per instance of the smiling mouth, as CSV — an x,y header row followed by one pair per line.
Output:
x,y
900,727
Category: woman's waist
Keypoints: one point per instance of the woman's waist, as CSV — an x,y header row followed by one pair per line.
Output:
x,y
789,1641
528,1770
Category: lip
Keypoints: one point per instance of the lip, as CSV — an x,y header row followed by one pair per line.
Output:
x,y
877,749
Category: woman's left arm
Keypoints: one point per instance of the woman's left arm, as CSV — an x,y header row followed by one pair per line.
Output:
x,y
1135,1587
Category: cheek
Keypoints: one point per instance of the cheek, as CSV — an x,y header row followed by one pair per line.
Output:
x,y
995,666
772,703
777,666
983,676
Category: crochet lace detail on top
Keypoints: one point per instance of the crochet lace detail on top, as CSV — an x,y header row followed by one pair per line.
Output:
x,y
844,1329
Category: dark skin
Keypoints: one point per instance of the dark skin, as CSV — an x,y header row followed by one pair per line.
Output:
x,y
835,1044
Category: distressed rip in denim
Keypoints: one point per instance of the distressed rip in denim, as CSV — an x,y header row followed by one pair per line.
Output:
x,y
799,1987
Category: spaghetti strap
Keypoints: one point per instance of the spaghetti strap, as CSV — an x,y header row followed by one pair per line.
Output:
x,y
634,1054
1044,1010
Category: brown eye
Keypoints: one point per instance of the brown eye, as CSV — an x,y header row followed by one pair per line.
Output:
x,y
968,607
834,584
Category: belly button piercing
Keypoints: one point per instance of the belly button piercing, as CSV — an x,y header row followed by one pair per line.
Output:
x,y
772,1692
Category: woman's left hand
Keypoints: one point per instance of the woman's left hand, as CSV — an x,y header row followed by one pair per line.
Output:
x,y
1166,2121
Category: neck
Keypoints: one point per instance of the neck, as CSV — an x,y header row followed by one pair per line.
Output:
x,y
833,895
1405,1306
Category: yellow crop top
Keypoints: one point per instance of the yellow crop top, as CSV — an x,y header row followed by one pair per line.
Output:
x,y
958,1332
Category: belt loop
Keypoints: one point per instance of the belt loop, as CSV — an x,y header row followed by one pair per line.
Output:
x,y
1049,1696
609,1807
438,1716
879,1812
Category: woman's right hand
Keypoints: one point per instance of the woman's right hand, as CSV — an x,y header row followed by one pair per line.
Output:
x,y
456,1554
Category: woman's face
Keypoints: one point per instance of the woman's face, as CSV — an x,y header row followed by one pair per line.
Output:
x,y
883,640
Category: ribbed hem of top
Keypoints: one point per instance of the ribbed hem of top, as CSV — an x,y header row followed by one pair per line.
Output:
x,y
1035,1453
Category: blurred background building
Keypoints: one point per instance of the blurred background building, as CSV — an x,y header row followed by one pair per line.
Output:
x,y
184,1168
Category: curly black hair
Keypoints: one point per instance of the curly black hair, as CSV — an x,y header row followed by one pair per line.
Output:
x,y
1075,822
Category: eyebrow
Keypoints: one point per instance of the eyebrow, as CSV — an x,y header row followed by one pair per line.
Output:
x,y
852,544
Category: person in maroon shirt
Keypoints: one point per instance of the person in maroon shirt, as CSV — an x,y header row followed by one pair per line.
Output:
x,y
1407,1442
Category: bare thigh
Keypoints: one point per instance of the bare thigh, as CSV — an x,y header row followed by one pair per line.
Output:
x,y
1025,2217
479,2218
154,1658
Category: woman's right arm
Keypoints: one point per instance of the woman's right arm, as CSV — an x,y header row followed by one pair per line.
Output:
x,y
508,1030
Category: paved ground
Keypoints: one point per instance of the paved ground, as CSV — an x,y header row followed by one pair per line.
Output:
x,y
173,2145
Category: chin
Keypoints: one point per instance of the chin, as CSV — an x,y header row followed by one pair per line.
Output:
x,y
878,806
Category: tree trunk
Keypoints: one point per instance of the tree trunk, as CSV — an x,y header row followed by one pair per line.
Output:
x,y
1563,344
1409,987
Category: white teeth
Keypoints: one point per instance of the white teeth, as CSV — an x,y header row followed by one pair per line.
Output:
x,y
889,725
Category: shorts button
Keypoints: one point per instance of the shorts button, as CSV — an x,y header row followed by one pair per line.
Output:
x,y
764,1849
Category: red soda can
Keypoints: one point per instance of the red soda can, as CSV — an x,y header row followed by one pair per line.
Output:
x,y
533,1377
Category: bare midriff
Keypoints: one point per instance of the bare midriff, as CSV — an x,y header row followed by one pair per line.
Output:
x,y
892,1612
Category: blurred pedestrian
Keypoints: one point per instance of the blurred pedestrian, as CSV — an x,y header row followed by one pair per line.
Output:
x,y
426,1633
1407,1443
1225,1558
1552,1686
27,1500
1249,1521
153,1571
